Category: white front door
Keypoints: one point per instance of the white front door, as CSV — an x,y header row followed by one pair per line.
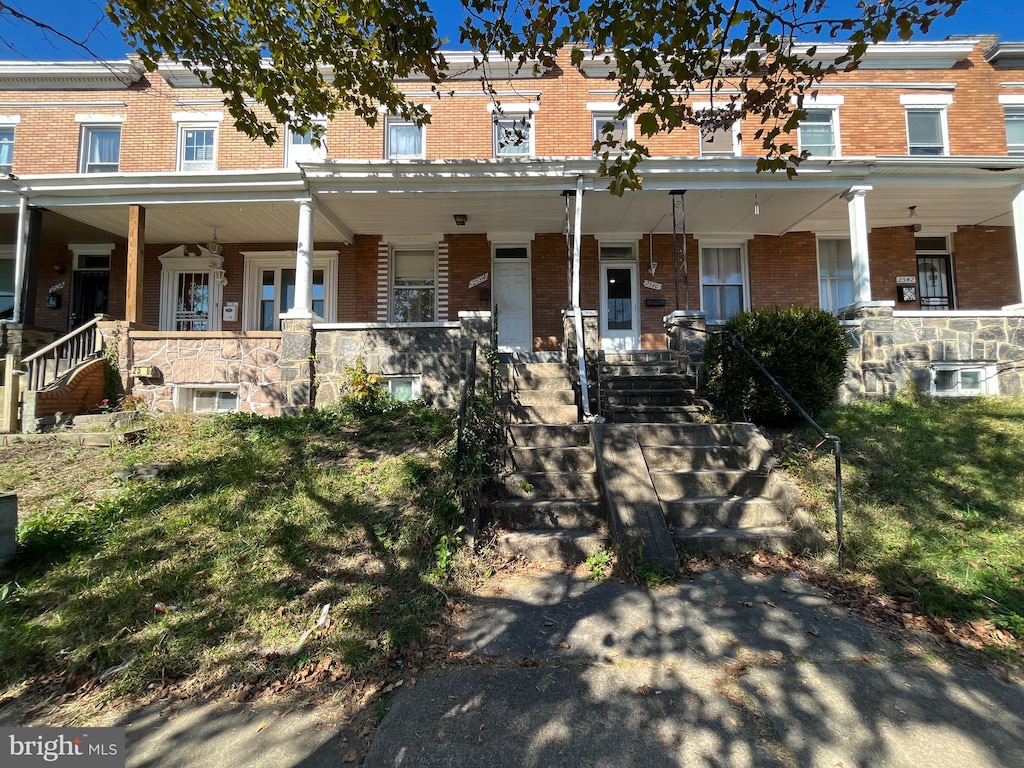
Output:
x,y
620,313
512,304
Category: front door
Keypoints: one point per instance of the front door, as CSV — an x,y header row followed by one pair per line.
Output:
x,y
512,303
90,289
934,283
620,316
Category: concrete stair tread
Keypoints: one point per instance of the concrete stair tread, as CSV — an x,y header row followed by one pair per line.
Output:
x,y
516,503
720,540
566,545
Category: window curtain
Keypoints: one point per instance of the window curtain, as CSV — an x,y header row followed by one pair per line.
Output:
x,y
105,146
6,147
405,139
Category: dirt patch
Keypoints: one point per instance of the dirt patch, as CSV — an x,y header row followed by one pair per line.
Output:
x,y
44,472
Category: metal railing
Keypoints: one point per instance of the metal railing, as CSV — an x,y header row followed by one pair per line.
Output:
x,y
468,389
837,448
44,366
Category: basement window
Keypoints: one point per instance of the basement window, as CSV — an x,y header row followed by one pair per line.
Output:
x,y
405,388
208,399
963,380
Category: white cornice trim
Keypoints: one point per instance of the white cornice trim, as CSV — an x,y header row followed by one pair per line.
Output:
x,y
197,117
10,119
518,108
940,54
69,75
1013,100
926,99
100,117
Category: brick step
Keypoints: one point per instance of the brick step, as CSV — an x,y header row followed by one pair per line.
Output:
x,y
731,541
552,459
539,514
673,485
544,414
684,458
723,511
551,485
549,435
565,546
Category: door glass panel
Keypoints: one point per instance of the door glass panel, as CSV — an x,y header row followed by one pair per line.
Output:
x,y
193,305
268,304
933,282
620,298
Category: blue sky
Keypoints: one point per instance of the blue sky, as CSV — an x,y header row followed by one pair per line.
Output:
x,y
84,20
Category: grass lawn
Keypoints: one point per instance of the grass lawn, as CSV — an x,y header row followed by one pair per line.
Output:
x,y
213,571
934,502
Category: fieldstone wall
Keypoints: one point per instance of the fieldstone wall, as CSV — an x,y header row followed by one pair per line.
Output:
x,y
892,349
436,352
591,348
250,361
687,336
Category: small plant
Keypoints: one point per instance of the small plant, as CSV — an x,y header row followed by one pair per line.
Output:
x,y
365,393
445,549
599,564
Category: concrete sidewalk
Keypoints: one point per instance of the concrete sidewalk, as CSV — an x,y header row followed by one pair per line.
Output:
x,y
728,670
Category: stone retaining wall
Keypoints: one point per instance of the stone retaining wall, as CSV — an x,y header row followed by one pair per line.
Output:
x,y
249,361
436,352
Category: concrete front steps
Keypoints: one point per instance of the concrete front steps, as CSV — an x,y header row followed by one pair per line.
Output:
x,y
540,393
718,491
552,511
646,387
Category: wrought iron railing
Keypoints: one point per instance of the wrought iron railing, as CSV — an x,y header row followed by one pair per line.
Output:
x,y
826,436
45,366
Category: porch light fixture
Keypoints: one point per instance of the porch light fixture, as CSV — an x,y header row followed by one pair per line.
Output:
x,y
213,246
460,219
757,206
913,211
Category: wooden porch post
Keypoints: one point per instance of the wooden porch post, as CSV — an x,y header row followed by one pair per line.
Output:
x,y
11,395
136,254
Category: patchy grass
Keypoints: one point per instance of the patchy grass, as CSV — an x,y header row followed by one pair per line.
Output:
x,y
213,570
934,502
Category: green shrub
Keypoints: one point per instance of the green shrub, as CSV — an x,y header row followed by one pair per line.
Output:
x,y
803,348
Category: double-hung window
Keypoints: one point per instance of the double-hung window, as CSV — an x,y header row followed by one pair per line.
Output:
x,y
927,132
403,139
835,273
817,133
513,134
197,147
413,285
300,147
6,145
1015,130
720,137
101,149
608,127
722,282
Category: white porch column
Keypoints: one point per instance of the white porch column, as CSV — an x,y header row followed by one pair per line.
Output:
x,y
859,242
20,257
1018,236
303,307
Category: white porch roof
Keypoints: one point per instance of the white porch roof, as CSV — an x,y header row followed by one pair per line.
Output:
x,y
418,198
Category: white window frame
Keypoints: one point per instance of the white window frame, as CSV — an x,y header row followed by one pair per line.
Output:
x,y
928,103
185,394
178,261
10,123
602,114
737,148
183,128
1016,113
256,262
519,119
825,301
310,155
415,382
705,244
833,113
85,143
391,120
395,249
989,383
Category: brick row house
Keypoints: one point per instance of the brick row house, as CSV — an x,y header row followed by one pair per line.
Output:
x,y
233,275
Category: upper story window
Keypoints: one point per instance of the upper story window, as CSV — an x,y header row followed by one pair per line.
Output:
x,y
197,147
1015,130
101,149
818,131
404,139
607,126
301,148
513,136
718,140
927,133
6,148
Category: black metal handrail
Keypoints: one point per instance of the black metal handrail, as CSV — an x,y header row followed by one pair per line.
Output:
x,y
468,389
837,448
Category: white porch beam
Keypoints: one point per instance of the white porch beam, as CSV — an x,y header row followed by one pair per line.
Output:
x,y
855,199
303,307
1018,236
347,236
